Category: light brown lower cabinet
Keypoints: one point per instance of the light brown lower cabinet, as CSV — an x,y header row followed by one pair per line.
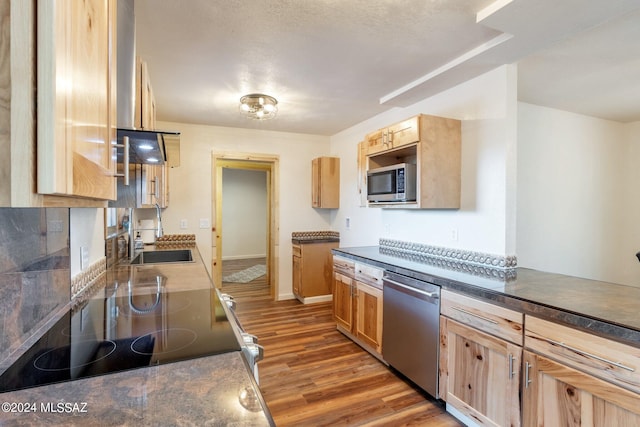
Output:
x,y
312,269
479,374
369,315
343,307
357,310
557,395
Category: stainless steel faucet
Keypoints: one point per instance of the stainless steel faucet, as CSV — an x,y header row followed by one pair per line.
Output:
x,y
159,231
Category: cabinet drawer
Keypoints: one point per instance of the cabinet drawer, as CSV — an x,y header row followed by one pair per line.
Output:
x,y
344,266
607,359
296,250
493,319
368,274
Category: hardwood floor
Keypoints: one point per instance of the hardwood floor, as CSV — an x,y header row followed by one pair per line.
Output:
x,y
259,285
312,375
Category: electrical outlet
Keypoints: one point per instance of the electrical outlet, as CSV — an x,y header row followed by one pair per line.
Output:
x,y
84,257
347,223
454,234
184,224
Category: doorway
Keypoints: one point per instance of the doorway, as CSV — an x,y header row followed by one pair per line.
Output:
x,y
244,241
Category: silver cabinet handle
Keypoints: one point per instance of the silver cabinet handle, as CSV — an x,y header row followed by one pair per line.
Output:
x,y
125,154
593,356
527,380
511,364
486,319
435,294
155,187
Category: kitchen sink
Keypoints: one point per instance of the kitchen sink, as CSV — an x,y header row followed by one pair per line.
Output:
x,y
160,257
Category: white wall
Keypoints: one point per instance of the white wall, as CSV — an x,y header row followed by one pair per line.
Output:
x,y
244,213
578,202
86,230
190,184
486,221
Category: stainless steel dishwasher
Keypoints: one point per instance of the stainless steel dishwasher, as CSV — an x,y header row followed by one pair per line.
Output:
x,y
411,329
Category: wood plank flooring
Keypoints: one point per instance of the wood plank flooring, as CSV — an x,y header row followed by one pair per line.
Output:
x,y
312,375
258,285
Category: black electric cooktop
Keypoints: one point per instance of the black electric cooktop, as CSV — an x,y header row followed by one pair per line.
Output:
x,y
132,328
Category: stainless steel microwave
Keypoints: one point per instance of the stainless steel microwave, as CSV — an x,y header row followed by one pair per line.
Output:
x,y
396,183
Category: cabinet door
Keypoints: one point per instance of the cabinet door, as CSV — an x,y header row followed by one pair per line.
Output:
x,y
404,133
369,313
362,173
376,142
150,186
439,163
343,301
315,183
556,395
76,98
297,275
163,185
145,114
479,374
325,187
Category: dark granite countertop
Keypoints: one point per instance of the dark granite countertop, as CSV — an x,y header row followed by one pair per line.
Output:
x,y
308,241
213,390
304,237
606,309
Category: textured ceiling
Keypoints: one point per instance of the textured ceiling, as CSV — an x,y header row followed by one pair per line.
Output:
x,y
334,63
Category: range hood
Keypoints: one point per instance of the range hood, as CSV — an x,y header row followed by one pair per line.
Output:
x,y
150,146
144,146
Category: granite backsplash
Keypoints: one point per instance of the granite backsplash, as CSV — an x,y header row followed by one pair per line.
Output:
x,y
34,271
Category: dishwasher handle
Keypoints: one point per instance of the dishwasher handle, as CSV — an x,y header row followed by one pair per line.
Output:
x,y
410,290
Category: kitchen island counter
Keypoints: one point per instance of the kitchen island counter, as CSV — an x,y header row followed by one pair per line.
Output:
x,y
206,390
606,309
202,391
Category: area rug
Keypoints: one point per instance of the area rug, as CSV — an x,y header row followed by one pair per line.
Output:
x,y
246,275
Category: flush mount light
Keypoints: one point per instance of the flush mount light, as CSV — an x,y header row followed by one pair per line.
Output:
x,y
258,106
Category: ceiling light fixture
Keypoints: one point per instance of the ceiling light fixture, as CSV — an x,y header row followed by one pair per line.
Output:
x,y
258,106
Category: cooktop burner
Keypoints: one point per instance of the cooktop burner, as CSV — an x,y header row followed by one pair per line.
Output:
x,y
132,329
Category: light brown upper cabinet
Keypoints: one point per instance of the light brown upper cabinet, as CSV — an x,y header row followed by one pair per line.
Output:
x,y
145,114
155,178
433,144
154,186
394,136
76,94
325,178
362,172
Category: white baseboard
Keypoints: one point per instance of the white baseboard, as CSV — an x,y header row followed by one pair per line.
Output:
x,y
233,257
312,300
286,297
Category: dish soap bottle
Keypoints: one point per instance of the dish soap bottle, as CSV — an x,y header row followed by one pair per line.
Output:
x,y
137,242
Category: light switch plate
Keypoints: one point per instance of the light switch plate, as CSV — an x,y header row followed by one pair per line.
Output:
x,y
204,222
